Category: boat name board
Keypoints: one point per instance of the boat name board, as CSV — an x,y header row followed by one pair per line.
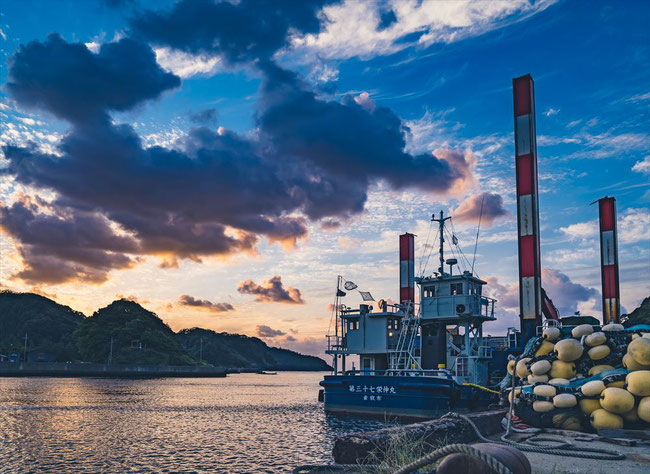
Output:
x,y
371,389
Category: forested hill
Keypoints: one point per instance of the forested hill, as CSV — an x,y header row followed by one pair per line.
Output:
x,y
236,350
126,333
48,325
138,337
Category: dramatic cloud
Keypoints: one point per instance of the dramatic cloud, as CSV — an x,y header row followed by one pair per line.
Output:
x,y
74,84
484,206
271,291
566,294
240,32
212,193
57,247
187,300
267,332
348,139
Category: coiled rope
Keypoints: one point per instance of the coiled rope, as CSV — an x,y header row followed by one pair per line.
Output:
x,y
496,465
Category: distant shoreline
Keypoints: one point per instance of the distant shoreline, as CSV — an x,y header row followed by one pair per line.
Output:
x,y
80,369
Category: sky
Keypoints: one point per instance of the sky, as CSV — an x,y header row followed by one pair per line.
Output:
x,y
222,162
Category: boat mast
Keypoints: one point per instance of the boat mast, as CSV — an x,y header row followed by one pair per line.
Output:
x,y
441,223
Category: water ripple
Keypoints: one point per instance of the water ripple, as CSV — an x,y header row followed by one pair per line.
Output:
x,y
242,423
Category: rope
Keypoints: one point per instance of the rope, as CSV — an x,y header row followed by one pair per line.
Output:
x,y
426,244
478,228
424,269
565,448
496,465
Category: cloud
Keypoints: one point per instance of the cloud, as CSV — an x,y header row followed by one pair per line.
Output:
x,y
271,291
642,166
135,299
633,226
486,206
204,193
367,28
365,101
580,230
204,116
551,111
74,84
638,98
59,247
506,294
597,146
330,224
348,140
268,332
187,300
240,32
308,345
566,294
186,65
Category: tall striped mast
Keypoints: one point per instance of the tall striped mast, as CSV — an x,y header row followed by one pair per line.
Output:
x,y
530,285
609,260
407,269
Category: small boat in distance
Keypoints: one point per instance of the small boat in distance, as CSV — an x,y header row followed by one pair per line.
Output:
x,y
417,359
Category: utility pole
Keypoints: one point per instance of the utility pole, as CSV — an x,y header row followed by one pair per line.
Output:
x,y
25,352
110,353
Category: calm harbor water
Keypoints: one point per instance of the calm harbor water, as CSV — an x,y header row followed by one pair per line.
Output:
x,y
241,423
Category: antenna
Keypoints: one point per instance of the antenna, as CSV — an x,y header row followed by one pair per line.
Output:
x,y
480,216
441,222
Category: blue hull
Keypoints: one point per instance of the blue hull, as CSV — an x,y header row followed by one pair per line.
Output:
x,y
400,396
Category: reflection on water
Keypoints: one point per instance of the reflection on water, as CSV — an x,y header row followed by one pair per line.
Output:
x,y
242,423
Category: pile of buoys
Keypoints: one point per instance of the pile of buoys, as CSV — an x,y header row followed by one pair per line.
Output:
x,y
584,377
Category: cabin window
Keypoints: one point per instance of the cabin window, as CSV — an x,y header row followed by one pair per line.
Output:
x,y
353,324
430,292
456,288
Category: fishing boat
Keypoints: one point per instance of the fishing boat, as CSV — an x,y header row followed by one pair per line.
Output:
x,y
419,358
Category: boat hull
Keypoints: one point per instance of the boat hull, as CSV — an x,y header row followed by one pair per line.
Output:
x,y
406,397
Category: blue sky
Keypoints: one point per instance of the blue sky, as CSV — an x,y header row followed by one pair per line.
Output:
x,y
445,70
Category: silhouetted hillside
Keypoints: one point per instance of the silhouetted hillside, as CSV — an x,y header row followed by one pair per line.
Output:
x,y
139,337
58,333
640,315
49,326
290,360
237,351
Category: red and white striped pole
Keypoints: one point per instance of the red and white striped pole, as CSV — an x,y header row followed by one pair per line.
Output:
x,y
609,260
407,268
530,285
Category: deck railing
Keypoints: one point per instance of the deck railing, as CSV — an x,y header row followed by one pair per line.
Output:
x,y
404,372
